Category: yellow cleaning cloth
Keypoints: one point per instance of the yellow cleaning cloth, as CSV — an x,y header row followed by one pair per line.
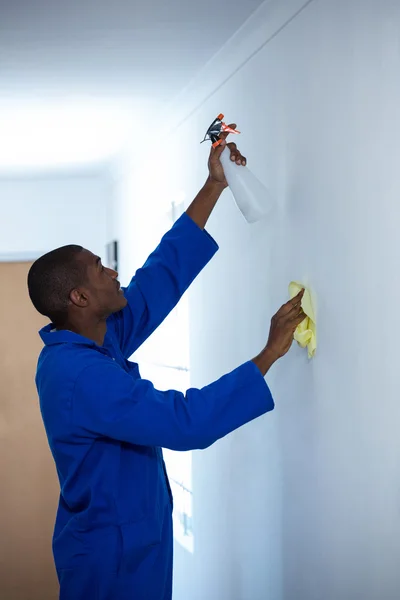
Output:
x,y
306,332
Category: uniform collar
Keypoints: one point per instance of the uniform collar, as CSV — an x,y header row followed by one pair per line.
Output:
x,y
51,336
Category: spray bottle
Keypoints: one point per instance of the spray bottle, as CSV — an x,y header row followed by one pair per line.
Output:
x,y
250,195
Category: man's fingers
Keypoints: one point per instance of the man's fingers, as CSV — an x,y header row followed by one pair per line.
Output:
x,y
296,310
236,155
286,308
299,295
216,152
299,318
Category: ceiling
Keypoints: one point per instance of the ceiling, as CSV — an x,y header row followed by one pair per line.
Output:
x,y
77,76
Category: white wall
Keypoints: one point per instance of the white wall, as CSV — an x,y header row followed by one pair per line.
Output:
x,y
39,213
303,504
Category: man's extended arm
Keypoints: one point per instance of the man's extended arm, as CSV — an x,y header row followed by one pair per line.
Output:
x,y
183,252
108,402
202,206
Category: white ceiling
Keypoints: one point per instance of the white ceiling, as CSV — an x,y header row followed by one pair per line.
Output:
x,y
76,76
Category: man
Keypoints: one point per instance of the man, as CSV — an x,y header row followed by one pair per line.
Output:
x,y
106,426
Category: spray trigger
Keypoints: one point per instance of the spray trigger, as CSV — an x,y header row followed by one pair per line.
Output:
x,y
216,128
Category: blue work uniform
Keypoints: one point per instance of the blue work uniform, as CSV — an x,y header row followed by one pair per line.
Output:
x,y
106,427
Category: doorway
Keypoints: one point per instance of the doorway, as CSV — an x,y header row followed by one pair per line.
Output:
x,y
29,484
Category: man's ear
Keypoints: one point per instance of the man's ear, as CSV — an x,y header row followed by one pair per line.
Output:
x,y
79,298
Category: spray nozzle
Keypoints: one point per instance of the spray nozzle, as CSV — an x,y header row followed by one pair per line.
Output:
x,y
215,130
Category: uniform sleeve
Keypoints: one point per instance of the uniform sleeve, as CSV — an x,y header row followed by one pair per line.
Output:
x,y
157,287
107,402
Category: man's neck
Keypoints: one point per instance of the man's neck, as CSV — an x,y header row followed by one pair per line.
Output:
x,y
93,331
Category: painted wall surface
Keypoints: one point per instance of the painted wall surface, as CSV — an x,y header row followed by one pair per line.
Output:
x,y
304,503
44,212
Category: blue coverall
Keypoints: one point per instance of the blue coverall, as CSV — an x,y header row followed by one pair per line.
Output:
x,y
106,427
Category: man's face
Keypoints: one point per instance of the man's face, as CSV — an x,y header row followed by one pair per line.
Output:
x,y
103,289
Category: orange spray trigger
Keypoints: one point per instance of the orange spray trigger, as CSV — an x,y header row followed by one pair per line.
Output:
x,y
216,128
228,129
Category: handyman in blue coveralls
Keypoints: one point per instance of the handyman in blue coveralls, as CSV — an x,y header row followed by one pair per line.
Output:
x,y
106,426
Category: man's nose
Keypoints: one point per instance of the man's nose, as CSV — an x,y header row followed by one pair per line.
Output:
x,y
113,274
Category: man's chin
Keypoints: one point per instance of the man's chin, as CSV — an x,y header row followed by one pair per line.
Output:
x,y
123,302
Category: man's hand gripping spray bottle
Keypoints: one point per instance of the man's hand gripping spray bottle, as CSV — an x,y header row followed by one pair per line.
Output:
x,y
250,195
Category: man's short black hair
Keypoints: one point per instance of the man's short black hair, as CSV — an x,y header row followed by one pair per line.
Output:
x,y
52,278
